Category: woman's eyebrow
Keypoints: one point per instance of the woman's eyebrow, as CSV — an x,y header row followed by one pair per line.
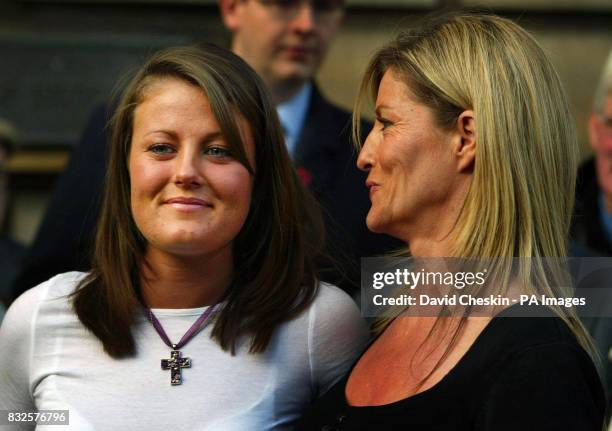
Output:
x,y
378,112
210,136
380,108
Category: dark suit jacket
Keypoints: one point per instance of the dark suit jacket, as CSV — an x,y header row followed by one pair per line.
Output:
x,y
326,152
589,239
11,255
325,159
65,237
587,228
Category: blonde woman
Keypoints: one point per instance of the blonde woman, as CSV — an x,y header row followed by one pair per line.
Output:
x,y
472,155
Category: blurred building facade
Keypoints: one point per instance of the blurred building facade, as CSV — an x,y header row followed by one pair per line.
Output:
x,y
62,57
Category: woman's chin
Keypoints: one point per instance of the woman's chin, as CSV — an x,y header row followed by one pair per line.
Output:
x,y
383,225
181,246
375,224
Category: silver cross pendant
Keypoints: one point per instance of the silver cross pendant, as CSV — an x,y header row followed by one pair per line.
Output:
x,y
175,364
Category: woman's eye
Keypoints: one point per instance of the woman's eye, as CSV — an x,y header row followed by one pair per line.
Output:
x,y
161,149
217,152
384,123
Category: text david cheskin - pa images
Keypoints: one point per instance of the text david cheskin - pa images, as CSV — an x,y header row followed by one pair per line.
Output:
x,y
476,301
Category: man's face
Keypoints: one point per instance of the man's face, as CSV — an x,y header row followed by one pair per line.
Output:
x,y
285,41
600,133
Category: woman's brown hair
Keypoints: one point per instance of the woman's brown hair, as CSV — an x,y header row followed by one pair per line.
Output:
x,y
274,253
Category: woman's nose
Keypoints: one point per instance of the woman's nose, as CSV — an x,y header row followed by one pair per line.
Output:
x,y
189,171
366,158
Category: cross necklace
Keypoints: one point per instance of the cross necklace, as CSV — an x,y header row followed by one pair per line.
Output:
x,y
176,362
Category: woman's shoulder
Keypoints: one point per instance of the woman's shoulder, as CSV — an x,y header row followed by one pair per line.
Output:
x,y
540,369
509,340
46,304
58,285
533,350
331,312
334,315
56,289
332,305
65,282
523,333
331,294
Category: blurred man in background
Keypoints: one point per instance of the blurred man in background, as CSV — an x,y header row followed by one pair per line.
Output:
x,y
592,224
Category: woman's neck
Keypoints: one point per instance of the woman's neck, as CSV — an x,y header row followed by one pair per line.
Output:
x,y
433,232
171,281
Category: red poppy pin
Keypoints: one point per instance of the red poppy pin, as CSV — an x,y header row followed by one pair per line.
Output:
x,y
304,175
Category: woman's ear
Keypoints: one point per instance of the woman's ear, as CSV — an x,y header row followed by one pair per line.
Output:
x,y
465,148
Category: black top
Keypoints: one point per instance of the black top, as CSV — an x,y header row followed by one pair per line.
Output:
x,y
520,374
587,228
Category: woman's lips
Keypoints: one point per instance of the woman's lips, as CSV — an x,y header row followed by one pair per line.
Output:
x,y
188,204
372,186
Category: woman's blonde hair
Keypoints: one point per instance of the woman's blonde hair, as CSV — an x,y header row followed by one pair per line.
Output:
x,y
521,196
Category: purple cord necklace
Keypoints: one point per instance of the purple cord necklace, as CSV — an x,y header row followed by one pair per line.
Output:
x,y
176,363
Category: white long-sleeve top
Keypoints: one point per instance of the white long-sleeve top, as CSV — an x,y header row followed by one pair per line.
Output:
x,y
50,361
